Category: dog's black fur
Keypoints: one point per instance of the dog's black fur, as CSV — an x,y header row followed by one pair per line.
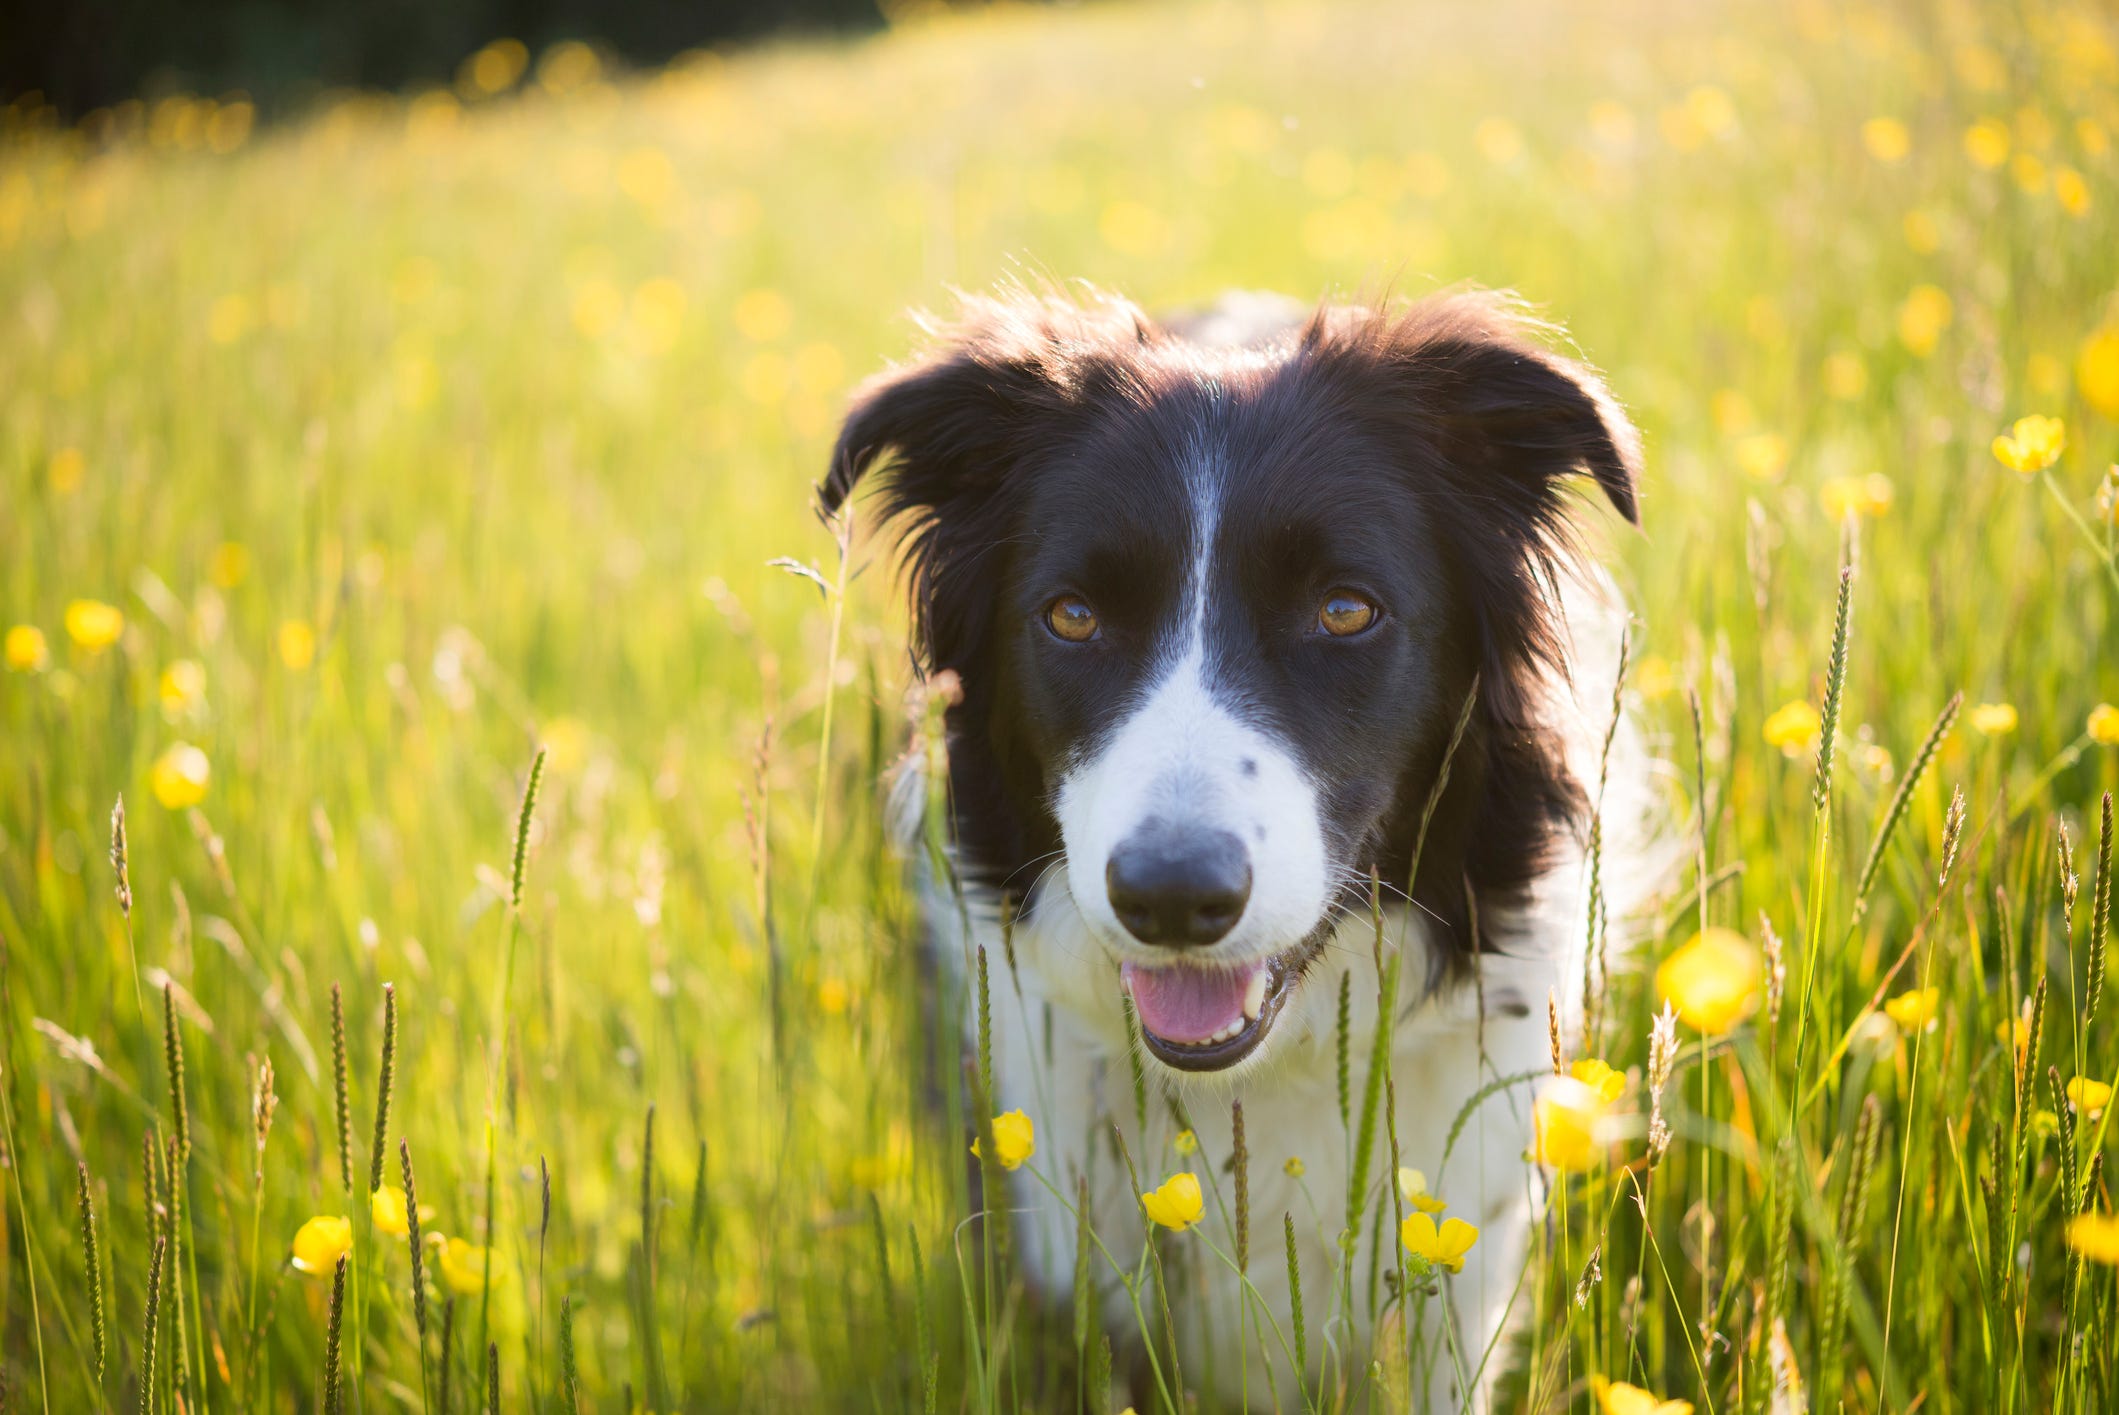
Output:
x,y
1419,455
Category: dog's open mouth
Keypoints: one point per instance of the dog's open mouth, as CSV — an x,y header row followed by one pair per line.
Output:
x,y
1207,1019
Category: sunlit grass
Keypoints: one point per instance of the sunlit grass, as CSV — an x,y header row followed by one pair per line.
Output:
x,y
348,463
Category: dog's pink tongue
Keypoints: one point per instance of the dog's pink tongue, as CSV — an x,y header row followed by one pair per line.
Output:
x,y
1185,1005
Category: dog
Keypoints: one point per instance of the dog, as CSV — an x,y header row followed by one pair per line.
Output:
x,y
1261,619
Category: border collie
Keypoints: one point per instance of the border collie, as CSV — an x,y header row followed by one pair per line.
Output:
x,y
1219,593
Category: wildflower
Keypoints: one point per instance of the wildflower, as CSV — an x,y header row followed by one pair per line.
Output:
x,y
463,1265
1177,1204
297,644
1762,456
26,650
1014,1140
1712,980
1654,678
1846,376
94,625
1412,1187
2032,444
1294,1168
2095,1236
2103,725
1925,314
1793,728
1887,139
320,1243
2015,1032
2044,1124
1914,1011
2097,371
386,1206
179,776
1599,1077
182,687
1564,1124
1994,719
1869,496
1986,143
2088,1096
66,469
1186,1143
229,565
1444,1246
1619,1398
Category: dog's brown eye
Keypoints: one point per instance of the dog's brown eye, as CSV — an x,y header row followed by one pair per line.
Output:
x,y
1069,617
1345,613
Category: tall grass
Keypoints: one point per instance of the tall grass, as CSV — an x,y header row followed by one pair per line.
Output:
x,y
436,451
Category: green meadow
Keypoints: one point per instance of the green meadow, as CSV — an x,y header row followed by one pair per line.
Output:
x,y
355,459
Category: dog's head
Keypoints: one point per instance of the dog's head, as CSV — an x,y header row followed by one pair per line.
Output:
x,y
1218,609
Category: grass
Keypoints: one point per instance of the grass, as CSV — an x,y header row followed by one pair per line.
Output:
x,y
420,439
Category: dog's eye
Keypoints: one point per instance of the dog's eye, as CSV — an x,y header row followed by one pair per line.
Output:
x,y
1069,617
1345,613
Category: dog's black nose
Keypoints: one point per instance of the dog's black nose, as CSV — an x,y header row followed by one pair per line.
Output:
x,y
1182,888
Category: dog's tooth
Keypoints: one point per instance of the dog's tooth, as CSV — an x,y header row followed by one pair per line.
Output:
x,y
1254,996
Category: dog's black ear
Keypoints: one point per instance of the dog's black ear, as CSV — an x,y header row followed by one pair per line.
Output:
x,y
954,422
1507,413
951,430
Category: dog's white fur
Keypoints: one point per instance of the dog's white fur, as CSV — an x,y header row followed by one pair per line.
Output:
x,y
1060,1038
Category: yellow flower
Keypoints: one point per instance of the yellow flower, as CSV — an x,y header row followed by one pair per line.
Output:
x,y
26,650
1412,1187
65,470
229,564
1793,728
297,644
2097,371
1654,678
1762,456
1856,496
1294,1168
320,1243
2088,1096
1177,1204
463,1265
1564,1124
1886,139
386,1206
1846,376
2096,1237
94,625
179,776
1986,142
1186,1142
1445,1246
1014,1139
182,687
2103,725
1914,1011
1619,1398
1712,981
1608,1084
1923,317
1994,719
2032,445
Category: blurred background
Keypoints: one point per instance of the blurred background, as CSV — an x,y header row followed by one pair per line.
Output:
x,y
387,394
285,52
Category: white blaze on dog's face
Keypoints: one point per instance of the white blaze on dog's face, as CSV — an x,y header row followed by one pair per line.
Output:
x,y
1193,844
1215,613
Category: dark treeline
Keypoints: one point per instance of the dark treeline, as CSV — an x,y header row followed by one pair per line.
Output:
x,y
84,54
